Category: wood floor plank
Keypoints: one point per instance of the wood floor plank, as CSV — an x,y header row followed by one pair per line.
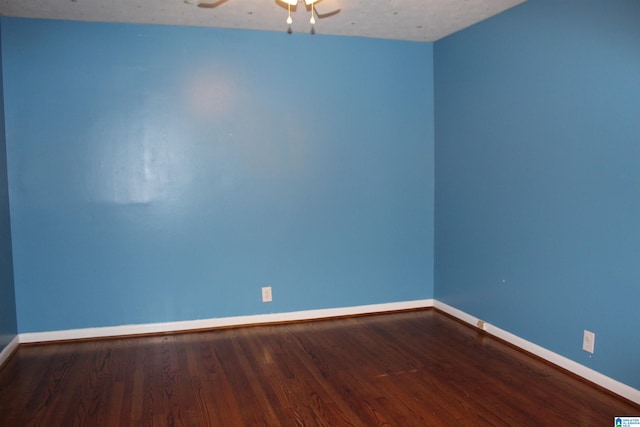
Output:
x,y
404,369
296,379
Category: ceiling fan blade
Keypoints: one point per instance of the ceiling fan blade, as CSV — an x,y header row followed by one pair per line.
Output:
x,y
328,14
212,5
327,8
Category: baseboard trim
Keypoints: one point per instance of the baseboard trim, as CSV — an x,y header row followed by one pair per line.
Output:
x,y
589,374
6,353
224,322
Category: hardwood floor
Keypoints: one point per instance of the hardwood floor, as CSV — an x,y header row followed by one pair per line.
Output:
x,y
418,368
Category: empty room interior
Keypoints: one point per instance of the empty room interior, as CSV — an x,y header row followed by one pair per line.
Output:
x,y
207,167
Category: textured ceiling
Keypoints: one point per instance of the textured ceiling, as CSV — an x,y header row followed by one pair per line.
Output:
x,y
418,20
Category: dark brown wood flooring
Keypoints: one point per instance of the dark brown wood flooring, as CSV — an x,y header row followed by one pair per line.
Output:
x,y
418,368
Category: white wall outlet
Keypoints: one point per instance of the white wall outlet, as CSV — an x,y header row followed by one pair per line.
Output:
x,y
266,294
588,341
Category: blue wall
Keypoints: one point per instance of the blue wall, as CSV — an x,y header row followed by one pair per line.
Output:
x,y
537,224
8,326
164,173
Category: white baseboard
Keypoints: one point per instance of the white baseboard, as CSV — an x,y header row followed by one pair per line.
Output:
x,y
9,349
188,325
587,373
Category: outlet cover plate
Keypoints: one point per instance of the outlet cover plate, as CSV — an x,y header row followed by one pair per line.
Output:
x,y
266,294
588,341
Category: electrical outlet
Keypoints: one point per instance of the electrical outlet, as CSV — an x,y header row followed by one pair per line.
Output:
x,y
482,325
266,294
588,341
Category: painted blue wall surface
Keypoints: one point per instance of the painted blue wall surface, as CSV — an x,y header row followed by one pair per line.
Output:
x,y
8,325
537,225
163,173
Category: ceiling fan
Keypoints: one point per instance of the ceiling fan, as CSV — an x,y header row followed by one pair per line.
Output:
x,y
327,7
